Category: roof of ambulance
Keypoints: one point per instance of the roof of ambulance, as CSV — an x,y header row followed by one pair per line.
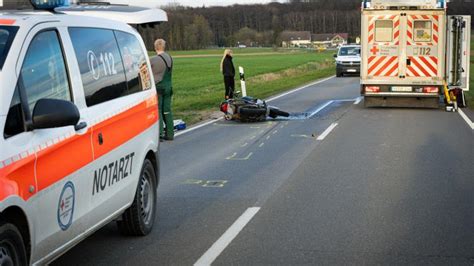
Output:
x,y
29,18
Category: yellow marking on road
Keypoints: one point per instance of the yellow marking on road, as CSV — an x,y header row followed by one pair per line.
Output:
x,y
193,182
245,144
215,183
261,144
232,156
239,159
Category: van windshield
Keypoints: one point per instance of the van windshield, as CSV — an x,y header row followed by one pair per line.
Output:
x,y
349,51
7,34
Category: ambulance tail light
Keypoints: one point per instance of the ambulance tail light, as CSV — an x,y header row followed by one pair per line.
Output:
x,y
372,89
430,89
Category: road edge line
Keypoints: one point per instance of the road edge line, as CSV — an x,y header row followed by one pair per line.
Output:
x,y
216,249
466,118
298,89
327,131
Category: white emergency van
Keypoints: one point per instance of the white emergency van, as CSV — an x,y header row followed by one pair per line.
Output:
x,y
80,132
411,50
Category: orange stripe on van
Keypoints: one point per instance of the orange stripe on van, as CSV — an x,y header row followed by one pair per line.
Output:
x,y
17,178
7,21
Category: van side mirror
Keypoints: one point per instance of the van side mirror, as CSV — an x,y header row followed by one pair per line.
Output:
x,y
335,55
51,113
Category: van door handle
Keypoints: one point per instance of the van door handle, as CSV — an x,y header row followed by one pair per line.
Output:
x,y
80,126
408,62
100,139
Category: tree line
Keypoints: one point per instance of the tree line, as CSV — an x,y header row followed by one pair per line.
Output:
x,y
261,25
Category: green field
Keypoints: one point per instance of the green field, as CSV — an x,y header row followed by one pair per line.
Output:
x,y
237,51
199,88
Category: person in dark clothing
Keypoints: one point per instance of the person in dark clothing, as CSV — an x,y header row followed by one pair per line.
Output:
x,y
228,70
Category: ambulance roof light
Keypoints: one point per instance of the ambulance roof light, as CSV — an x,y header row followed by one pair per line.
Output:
x,y
48,4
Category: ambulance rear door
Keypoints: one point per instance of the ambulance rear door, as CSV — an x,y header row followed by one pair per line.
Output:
x,y
424,47
458,51
381,51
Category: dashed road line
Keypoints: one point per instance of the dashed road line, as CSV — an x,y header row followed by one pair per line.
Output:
x,y
244,145
466,118
327,131
261,144
268,137
274,132
232,157
230,234
301,136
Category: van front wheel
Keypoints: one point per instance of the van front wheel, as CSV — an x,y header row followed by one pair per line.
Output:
x,y
138,220
12,248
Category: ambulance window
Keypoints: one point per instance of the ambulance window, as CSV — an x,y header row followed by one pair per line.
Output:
x,y
422,31
100,64
7,34
383,31
15,122
44,72
134,61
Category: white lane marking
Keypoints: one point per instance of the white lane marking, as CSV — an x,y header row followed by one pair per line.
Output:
x,y
198,126
464,116
216,249
320,108
268,100
298,89
261,144
358,99
327,131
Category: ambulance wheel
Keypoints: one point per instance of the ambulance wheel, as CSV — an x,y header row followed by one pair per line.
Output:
x,y
139,218
12,248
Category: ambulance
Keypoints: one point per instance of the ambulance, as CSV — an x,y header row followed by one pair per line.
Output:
x,y
80,129
411,51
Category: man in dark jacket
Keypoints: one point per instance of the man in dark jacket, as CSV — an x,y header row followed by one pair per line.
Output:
x,y
228,70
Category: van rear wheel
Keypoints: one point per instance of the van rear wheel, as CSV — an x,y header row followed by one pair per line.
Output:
x,y
138,220
12,247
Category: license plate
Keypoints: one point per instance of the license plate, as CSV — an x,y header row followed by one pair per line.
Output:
x,y
351,70
404,89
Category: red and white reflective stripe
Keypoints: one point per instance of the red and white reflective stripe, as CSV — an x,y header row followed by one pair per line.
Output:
x,y
422,66
411,24
396,27
383,66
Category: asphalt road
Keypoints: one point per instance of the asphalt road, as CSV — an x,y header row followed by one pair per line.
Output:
x,y
335,185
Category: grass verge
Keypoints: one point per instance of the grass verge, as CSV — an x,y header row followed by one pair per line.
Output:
x,y
470,93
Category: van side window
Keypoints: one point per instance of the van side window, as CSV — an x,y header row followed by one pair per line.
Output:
x,y
44,72
422,31
383,30
100,64
15,119
134,61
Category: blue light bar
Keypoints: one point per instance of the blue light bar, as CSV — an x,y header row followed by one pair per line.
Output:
x,y
48,4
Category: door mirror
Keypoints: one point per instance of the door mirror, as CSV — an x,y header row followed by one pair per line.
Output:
x,y
51,113
335,55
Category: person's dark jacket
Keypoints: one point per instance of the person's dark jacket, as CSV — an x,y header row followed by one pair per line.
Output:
x,y
228,67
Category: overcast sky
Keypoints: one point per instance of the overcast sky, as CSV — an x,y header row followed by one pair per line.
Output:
x,y
194,3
